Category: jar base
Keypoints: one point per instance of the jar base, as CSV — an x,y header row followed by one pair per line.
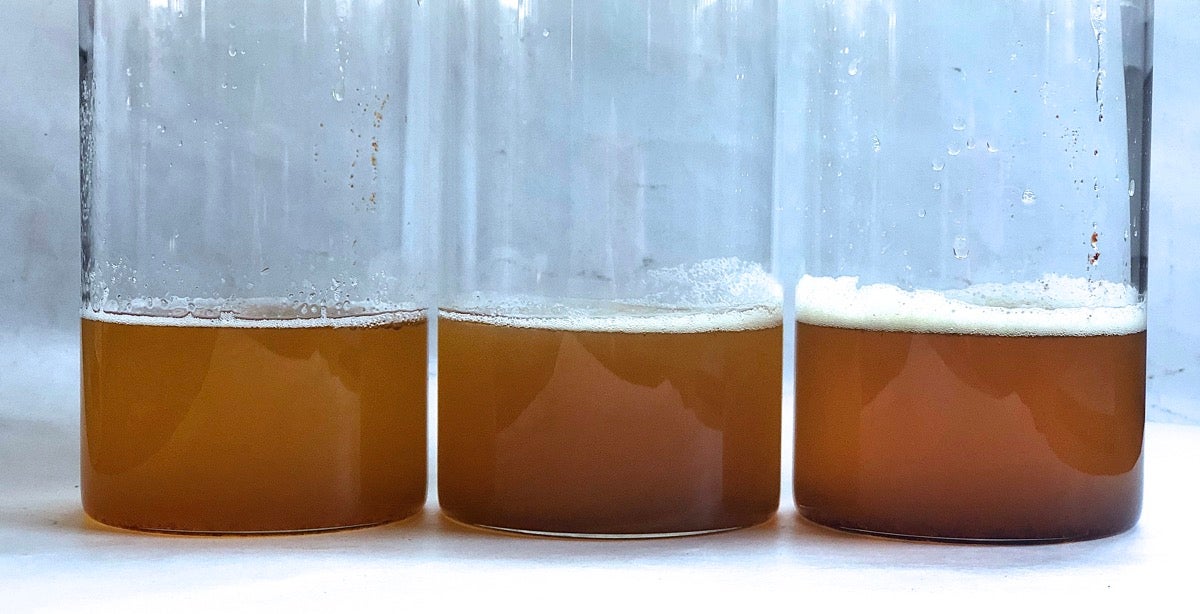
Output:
x,y
598,535
163,529
947,537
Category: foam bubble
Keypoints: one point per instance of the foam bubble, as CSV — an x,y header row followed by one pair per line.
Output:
x,y
261,314
1051,306
628,319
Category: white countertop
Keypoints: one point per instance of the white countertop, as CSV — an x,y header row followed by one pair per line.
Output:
x,y
52,557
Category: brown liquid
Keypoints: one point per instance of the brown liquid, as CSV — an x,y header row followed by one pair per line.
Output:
x,y
608,433
231,430
969,437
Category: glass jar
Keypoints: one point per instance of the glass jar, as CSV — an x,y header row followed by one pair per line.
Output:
x,y
971,329
610,328
255,254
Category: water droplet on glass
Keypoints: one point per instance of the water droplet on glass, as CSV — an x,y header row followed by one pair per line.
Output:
x,y
232,52
545,33
937,186
876,144
1028,197
853,69
233,25
938,165
224,86
339,92
921,214
1132,187
961,251
970,143
161,129
845,51
992,148
128,72
740,76
959,124
953,149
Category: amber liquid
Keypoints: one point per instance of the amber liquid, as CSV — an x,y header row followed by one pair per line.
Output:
x,y
608,433
251,429
969,437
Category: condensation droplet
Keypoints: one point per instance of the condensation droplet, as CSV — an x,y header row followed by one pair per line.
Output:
x,y
545,33
970,143
1132,187
938,165
937,186
992,148
953,149
959,124
845,51
232,51
921,214
876,144
1028,197
853,69
961,251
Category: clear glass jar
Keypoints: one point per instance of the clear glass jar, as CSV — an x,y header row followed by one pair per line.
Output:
x,y
255,254
610,329
971,336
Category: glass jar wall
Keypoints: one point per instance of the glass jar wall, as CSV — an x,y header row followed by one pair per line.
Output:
x,y
971,182
255,255
610,328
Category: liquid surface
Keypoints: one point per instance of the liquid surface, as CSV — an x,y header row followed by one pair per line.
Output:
x,y
581,427
252,426
1014,433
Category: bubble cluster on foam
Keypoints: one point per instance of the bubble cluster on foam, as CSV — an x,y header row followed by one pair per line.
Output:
x,y
1051,306
714,281
624,319
260,314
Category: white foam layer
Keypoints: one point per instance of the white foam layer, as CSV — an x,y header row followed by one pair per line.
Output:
x,y
277,320
1051,306
632,319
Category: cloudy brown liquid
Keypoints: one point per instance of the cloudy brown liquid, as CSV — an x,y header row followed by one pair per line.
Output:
x,y
252,429
607,432
971,437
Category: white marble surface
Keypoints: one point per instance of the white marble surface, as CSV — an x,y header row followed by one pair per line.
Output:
x,y
53,559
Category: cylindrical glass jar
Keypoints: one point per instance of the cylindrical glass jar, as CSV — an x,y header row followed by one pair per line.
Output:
x,y
610,330
255,245
971,324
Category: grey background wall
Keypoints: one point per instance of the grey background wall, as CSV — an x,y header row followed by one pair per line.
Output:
x,y
39,225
